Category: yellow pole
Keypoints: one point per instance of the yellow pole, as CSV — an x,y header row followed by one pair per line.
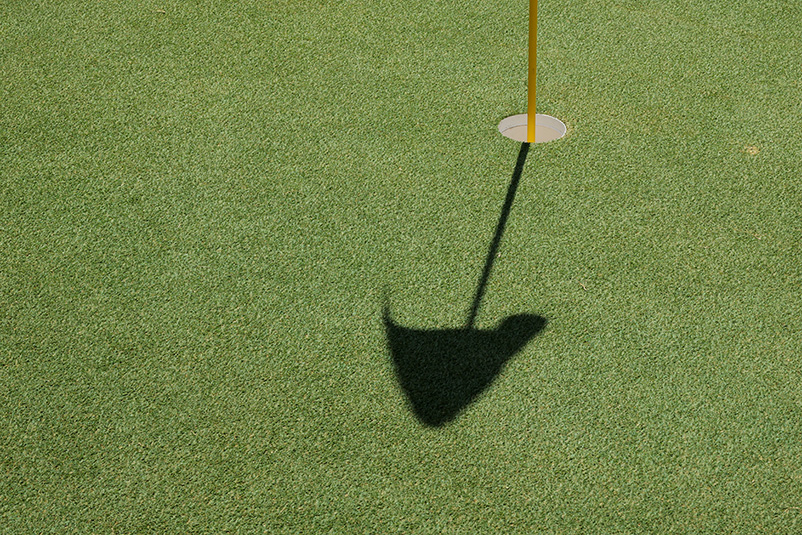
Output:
x,y
530,112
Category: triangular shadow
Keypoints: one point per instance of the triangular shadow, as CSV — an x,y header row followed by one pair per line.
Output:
x,y
443,370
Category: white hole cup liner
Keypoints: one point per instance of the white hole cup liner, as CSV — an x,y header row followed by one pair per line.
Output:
x,y
547,128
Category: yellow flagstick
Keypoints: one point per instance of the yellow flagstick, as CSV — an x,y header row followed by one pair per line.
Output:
x,y
530,112
523,127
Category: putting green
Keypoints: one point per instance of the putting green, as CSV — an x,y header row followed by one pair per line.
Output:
x,y
206,209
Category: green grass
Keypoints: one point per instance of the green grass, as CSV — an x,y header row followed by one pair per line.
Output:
x,y
203,209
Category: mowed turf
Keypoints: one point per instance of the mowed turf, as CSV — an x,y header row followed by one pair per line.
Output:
x,y
206,206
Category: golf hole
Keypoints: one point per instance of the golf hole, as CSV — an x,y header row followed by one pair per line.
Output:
x,y
547,128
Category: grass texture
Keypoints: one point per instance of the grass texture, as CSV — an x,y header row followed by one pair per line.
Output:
x,y
205,205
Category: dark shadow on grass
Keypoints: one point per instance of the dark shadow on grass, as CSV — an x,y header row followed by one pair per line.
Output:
x,y
443,370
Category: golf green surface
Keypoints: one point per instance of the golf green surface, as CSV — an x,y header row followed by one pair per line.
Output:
x,y
269,267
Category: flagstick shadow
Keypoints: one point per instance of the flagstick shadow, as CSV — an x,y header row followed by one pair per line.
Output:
x,y
502,223
442,371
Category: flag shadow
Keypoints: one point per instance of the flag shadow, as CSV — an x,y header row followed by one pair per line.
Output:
x,y
442,371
